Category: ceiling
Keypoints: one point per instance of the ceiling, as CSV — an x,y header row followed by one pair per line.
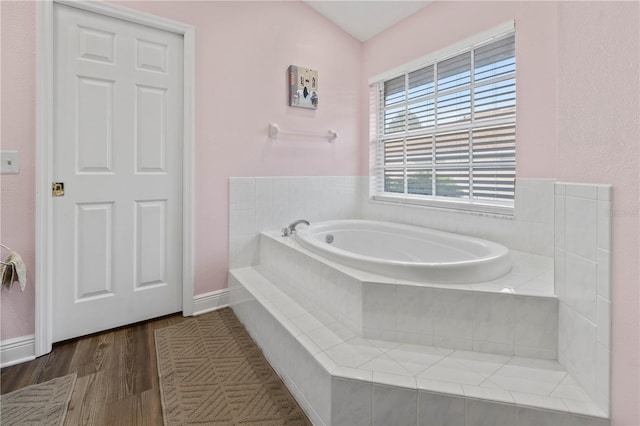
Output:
x,y
364,19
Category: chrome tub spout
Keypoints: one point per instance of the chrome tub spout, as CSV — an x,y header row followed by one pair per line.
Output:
x,y
292,228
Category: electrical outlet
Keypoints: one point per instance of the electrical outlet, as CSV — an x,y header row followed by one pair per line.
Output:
x,y
9,162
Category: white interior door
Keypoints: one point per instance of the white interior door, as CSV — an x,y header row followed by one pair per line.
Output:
x,y
117,230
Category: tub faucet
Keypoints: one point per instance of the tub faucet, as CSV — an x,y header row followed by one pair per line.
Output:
x,y
292,228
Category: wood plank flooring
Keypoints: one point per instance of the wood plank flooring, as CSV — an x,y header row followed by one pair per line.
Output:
x,y
117,382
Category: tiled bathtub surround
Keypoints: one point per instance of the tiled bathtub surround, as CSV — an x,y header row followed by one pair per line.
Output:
x,y
568,222
530,229
582,278
514,315
312,283
261,203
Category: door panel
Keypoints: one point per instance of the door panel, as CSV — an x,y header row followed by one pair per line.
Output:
x,y
150,261
94,134
96,45
151,56
93,255
150,129
117,231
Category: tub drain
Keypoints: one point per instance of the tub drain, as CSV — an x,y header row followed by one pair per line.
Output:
x,y
329,238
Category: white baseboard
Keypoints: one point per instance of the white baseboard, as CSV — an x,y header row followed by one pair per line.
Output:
x,y
17,350
211,301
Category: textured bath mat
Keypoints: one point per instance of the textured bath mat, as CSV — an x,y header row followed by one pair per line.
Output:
x,y
211,372
42,404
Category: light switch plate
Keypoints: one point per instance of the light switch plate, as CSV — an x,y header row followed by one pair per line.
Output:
x,y
10,162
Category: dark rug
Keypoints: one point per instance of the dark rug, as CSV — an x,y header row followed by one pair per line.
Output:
x,y
211,372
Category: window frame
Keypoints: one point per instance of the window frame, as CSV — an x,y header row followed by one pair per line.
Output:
x,y
378,138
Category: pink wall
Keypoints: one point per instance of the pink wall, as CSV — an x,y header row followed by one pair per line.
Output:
x,y
243,50
578,111
598,141
17,192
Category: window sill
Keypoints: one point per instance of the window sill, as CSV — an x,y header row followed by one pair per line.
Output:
x,y
484,209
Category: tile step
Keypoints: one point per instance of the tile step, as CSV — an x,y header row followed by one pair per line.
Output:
x,y
512,380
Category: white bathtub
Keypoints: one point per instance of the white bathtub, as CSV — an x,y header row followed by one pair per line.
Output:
x,y
406,252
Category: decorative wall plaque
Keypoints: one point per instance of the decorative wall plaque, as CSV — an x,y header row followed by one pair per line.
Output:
x,y
303,87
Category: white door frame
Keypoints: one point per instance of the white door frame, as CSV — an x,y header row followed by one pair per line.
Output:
x,y
44,160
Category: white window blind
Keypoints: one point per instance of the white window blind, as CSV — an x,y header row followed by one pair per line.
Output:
x,y
446,131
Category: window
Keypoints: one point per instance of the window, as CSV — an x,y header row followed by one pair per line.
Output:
x,y
445,132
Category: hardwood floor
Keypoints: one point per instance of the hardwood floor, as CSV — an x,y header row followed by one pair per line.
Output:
x,y
117,376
